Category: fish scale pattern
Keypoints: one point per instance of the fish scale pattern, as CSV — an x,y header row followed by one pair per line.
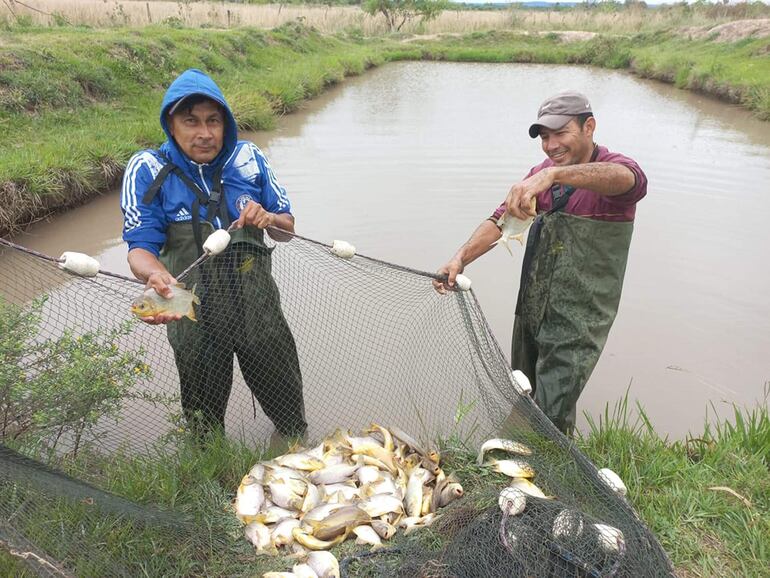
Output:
x,y
289,344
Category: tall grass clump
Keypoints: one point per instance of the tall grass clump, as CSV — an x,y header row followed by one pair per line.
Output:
x,y
707,498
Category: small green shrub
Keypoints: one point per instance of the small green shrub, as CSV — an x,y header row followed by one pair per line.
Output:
x,y
58,388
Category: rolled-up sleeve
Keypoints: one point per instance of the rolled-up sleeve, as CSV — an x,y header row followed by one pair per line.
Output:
x,y
639,190
144,225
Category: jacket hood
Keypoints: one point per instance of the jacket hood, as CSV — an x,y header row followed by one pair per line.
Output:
x,y
194,81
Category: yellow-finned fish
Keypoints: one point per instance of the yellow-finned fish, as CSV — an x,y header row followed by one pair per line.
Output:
x,y
150,304
339,522
312,543
512,468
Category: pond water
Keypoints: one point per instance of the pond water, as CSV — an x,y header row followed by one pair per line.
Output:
x,y
405,161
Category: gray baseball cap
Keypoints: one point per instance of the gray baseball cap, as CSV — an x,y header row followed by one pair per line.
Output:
x,y
558,110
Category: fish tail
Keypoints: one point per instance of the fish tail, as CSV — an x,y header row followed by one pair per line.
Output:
x,y
195,298
508,246
191,313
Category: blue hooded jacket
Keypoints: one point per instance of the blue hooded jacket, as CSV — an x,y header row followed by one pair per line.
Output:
x,y
246,174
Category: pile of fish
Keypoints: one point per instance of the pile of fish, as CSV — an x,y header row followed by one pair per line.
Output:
x,y
513,499
364,487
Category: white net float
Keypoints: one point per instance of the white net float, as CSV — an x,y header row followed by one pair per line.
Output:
x,y
79,263
522,381
613,481
567,523
343,249
462,282
512,501
610,538
216,242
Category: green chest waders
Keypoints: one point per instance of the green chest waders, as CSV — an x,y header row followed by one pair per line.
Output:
x,y
239,313
571,283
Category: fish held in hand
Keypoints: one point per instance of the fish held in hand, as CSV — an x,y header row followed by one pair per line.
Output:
x,y
181,302
513,228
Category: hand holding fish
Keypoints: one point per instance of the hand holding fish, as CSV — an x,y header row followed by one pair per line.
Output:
x,y
451,270
164,300
160,282
520,198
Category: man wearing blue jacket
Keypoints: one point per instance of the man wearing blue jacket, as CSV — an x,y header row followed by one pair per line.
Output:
x,y
202,179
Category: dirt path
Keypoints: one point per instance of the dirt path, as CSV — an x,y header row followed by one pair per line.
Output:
x,y
730,31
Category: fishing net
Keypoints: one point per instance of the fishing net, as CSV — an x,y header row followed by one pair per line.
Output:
x,y
123,443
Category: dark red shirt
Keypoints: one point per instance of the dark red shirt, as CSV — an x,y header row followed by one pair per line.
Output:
x,y
587,203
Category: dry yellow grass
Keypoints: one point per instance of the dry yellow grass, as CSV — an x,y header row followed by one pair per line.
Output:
x,y
101,13
329,19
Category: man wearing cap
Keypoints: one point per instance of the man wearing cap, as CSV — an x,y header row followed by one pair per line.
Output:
x,y
575,260
202,179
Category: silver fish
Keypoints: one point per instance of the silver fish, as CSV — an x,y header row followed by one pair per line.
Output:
x,y
513,228
366,535
509,446
249,499
333,474
303,571
324,564
282,532
259,535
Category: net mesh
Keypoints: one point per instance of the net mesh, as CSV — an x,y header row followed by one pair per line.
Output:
x,y
113,456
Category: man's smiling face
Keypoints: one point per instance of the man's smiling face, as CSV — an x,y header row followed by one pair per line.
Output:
x,y
570,144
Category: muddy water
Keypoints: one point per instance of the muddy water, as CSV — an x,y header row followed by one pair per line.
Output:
x,y
407,160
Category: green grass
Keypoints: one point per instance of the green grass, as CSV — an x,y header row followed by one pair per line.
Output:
x,y
706,532
79,102
185,488
738,72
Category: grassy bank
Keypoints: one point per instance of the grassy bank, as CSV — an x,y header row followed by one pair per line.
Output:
x,y
738,72
706,499
79,102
